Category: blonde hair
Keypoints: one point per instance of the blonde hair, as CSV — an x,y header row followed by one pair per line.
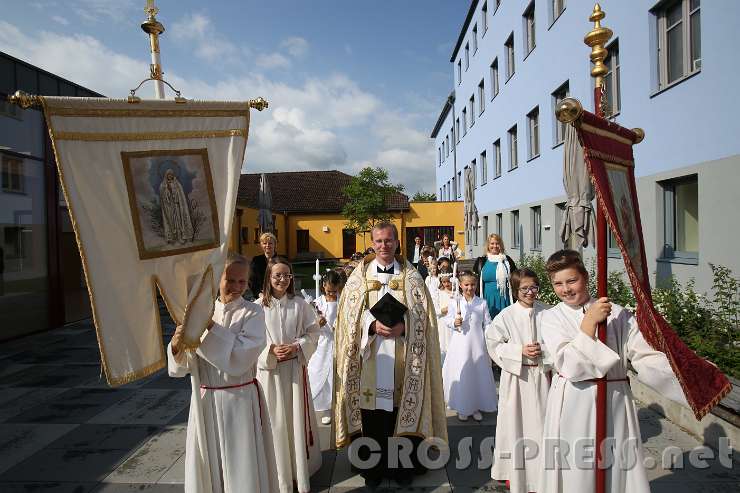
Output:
x,y
265,236
494,236
235,258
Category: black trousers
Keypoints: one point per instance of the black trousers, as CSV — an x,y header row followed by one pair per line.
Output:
x,y
380,425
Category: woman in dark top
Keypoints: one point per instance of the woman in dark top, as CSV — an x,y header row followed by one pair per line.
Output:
x,y
494,270
257,267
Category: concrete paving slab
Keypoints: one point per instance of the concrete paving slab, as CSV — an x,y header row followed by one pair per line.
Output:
x,y
127,488
344,477
490,487
176,473
48,487
181,418
152,460
71,465
51,376
10,368
323,476
71,406
25,398
20,441
459,472
146,406
162,380
106,437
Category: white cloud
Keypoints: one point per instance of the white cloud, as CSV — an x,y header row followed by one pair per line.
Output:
x,y
59,19
272,60
295,46
198,29
107,10
323,122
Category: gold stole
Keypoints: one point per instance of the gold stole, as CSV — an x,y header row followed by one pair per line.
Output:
x,y
368,373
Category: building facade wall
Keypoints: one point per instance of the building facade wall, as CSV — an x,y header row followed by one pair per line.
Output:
x,y
689,125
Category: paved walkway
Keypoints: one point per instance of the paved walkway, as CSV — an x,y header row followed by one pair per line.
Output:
x,y
63,430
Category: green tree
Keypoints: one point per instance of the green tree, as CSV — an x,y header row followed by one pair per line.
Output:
x,y
422,196
367,196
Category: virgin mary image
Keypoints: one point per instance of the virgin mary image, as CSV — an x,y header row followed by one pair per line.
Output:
x,y
175,211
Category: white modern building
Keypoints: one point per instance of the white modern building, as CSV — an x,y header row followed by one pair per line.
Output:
x,y
671,72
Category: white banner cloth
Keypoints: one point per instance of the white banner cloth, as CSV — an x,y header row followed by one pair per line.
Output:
x,y
151,189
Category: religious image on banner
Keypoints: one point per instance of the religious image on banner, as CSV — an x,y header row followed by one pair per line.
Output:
x,y
172,201
622,199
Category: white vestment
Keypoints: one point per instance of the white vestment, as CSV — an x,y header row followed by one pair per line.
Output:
x,y
522,392
444,300
383,349
288,393
467,376
321,365
229,446
571,408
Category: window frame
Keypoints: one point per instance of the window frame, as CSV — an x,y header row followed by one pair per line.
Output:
x,y
513,135
484,17
483,168
497,158
554,12
529,28
475,38
536,230
515,227
500,224
613,66
467,56
669,252
494,78
533,133
471,105
12,175
481,96
689,67
510,50
459,71
559,127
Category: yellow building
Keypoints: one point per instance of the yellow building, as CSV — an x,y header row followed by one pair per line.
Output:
x,y
307,214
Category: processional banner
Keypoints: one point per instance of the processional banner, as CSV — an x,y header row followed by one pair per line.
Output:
x,y
151,190
608,154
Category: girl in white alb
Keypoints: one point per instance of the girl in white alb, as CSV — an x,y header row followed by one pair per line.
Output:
x,y
321,365
514,341
467,377
292,335
444,297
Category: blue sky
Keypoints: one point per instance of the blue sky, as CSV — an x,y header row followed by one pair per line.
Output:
x,y
350,83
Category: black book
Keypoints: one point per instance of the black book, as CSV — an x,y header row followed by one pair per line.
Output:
x,y
388,310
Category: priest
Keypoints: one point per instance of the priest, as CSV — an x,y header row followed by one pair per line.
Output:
x,y
389,374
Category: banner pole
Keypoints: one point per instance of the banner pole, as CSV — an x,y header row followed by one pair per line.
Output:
x,y
596,39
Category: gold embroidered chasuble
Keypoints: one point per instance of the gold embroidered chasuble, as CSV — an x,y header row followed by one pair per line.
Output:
x,y
418,373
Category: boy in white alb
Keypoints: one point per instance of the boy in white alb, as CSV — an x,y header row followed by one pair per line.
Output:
x,y
579,358
229,443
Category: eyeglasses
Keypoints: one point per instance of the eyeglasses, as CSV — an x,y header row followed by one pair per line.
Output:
x,y
530,289
282,277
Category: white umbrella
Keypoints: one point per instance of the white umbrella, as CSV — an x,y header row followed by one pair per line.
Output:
x,y
578,216
265,205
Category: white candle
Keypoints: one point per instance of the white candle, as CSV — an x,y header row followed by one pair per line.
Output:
x,y
317,277
480,282
454,270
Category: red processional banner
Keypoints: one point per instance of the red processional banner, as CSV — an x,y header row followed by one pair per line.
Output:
x,y
607,149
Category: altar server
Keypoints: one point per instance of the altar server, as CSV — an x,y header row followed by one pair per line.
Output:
x,y
444,297
321,365
466,375
229,445
514,341
292,336
569,331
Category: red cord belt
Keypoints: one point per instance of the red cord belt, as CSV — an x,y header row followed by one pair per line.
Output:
x,y
254,382
602,379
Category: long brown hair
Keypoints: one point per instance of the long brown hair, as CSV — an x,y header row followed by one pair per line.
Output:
x,y
267,287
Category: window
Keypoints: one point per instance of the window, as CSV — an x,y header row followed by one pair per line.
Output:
x,y
457,129
483,168
485,227
557,7
447,146
681,218
302,240
494,78
481,97
449,190
497,4
510,60
256,237
454,186
475,39
459,71
439,156
497,158
459,184
611,80
529,29
513,156
474,174
467,55
679,40
471,104
465,121
536,228
515,236
560,93
500,224
484,17
533,129
12,175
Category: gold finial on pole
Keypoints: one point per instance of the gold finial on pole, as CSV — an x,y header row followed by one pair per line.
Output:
x,y
154,29
597,39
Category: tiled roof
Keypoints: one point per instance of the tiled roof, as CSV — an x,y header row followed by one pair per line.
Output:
x,y
305,191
